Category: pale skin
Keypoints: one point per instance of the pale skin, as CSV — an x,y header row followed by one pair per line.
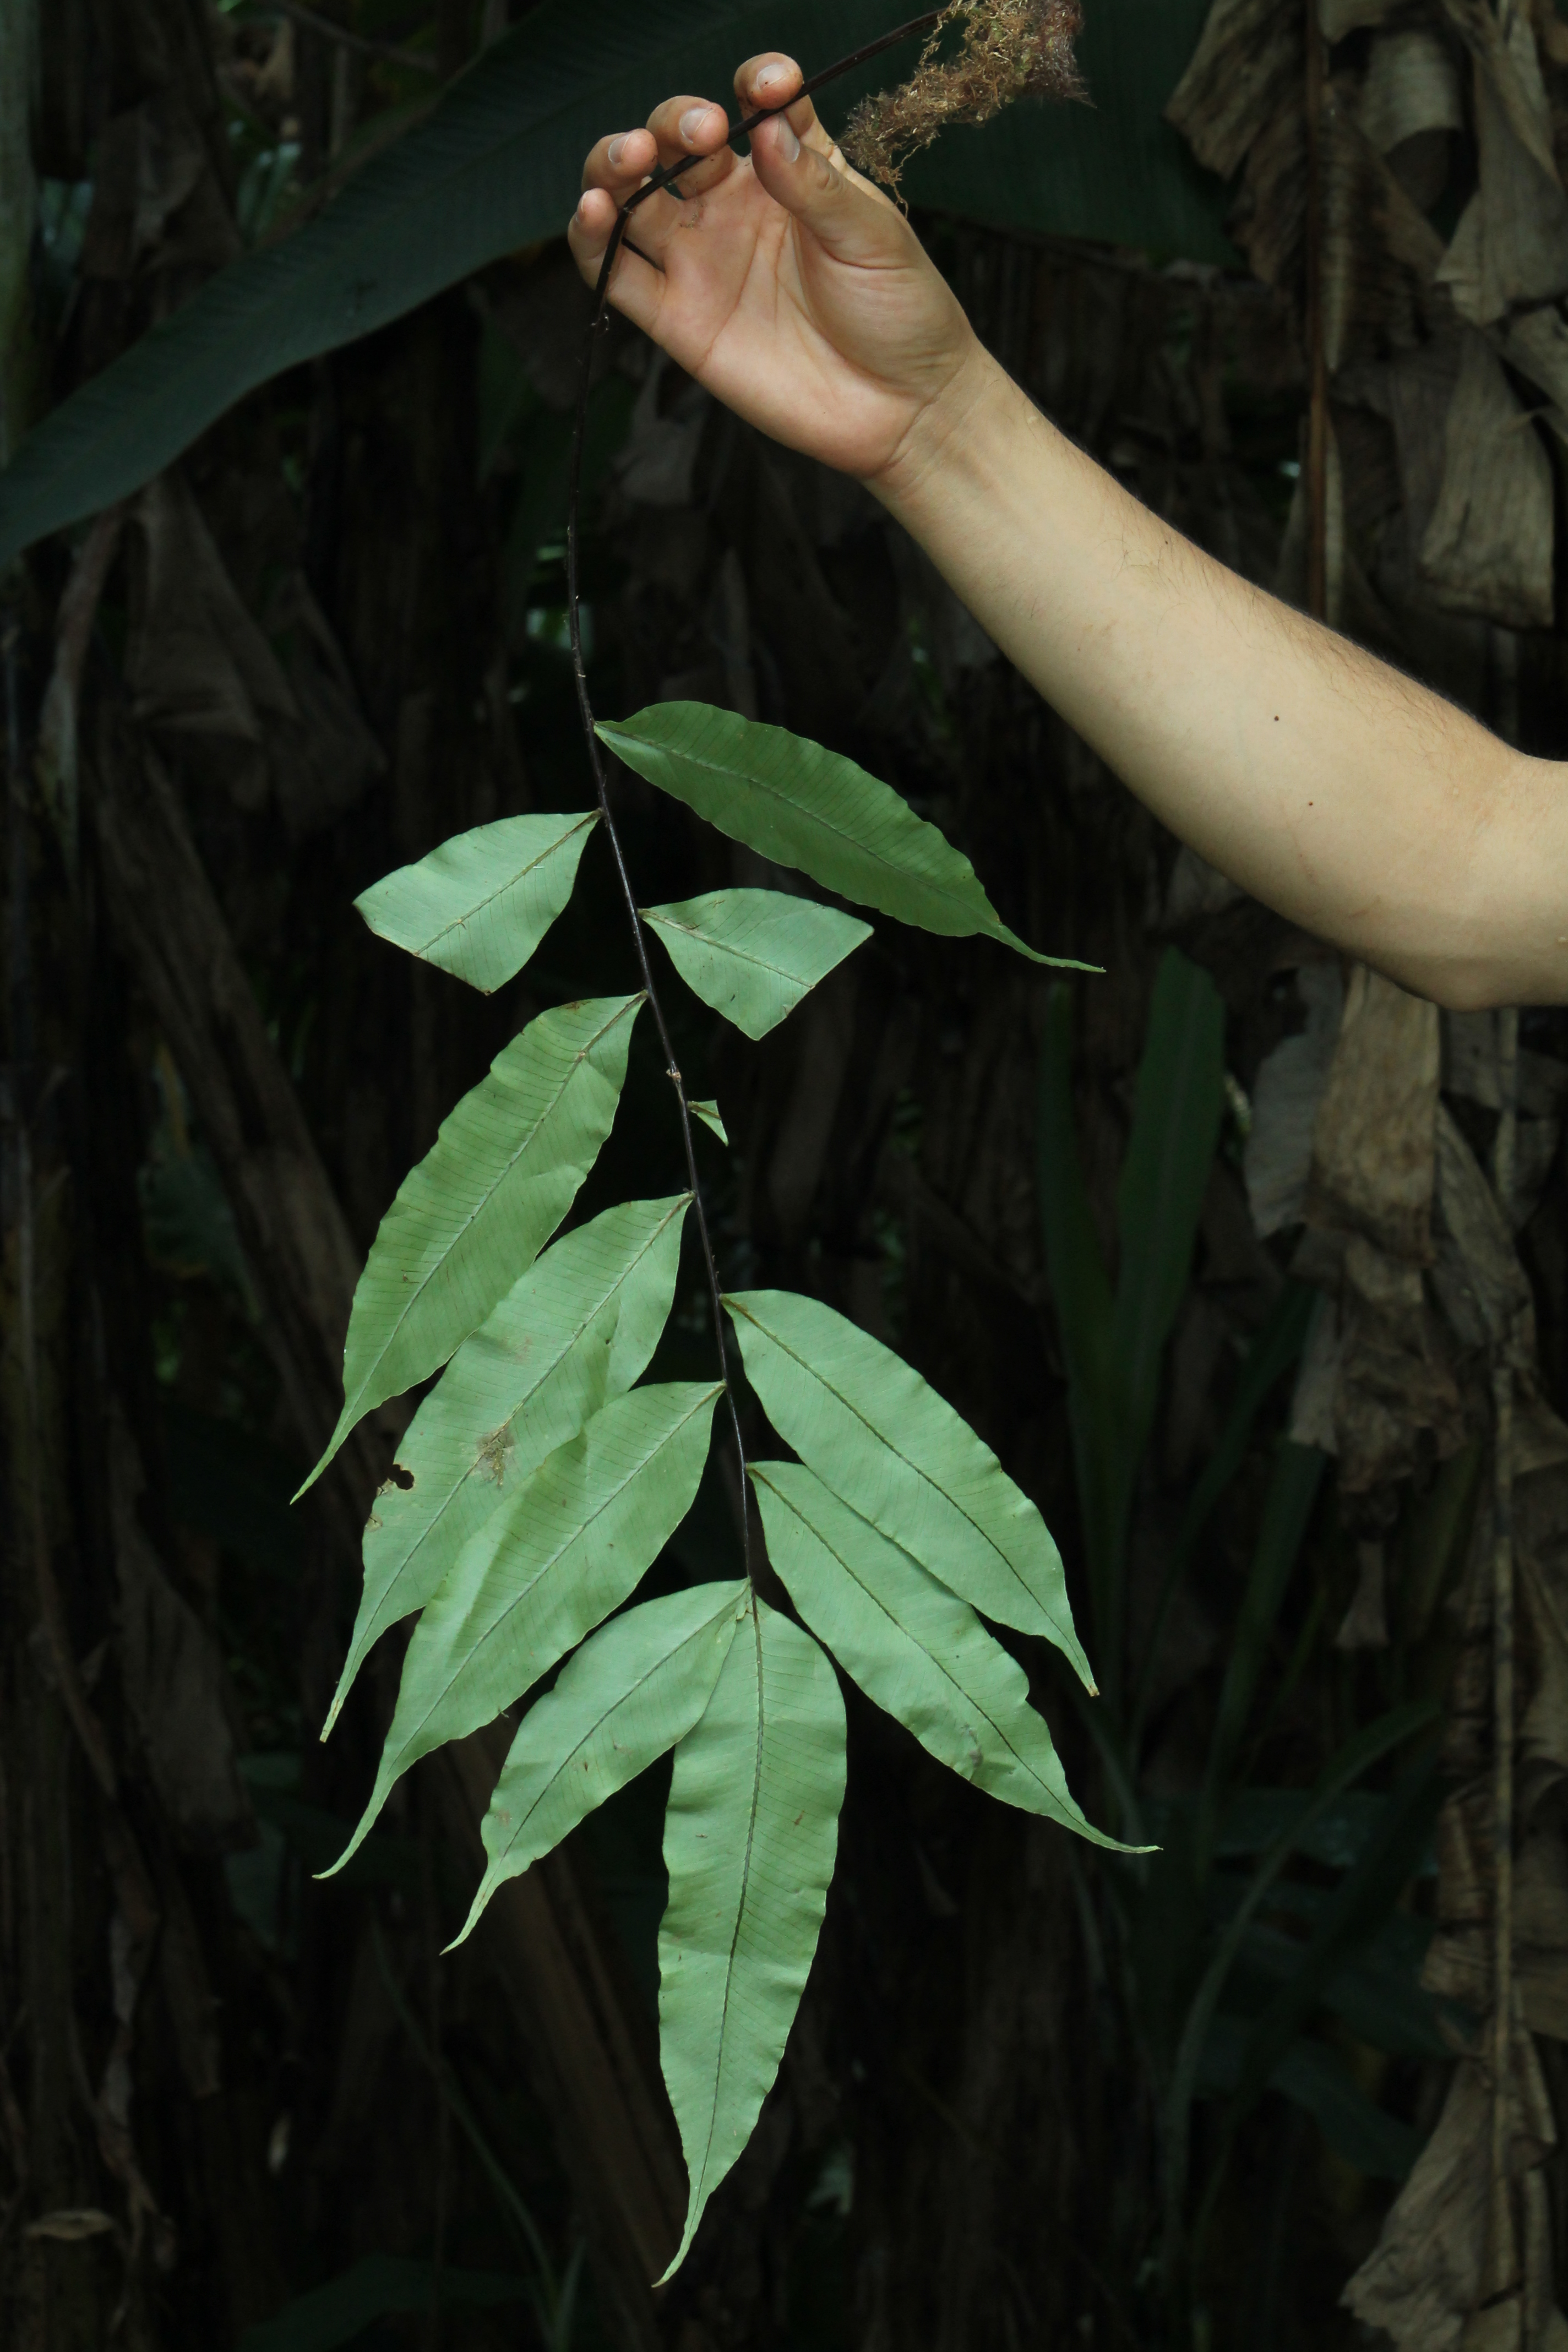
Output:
x,y
1353,801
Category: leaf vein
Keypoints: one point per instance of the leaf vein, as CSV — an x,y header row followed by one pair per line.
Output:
x,y
461,922
632,1005
554,1558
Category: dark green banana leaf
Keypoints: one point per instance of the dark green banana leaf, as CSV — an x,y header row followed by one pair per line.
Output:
x,y
497,164
1114,1341
378,2284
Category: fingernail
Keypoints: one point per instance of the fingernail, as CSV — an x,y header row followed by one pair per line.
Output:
x,y
691,122
616,149
788,145
773,77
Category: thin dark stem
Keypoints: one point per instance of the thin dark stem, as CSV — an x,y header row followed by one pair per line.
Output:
x,y
650,187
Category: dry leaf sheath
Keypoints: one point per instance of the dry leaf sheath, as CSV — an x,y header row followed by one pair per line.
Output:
x,y
1010,49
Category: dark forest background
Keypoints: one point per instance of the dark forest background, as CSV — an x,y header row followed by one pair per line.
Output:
x,y
1313,1488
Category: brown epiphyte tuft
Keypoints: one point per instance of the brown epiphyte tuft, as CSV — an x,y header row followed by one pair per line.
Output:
x,y
1009,49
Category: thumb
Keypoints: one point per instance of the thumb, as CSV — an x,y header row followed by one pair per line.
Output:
x,y
848,219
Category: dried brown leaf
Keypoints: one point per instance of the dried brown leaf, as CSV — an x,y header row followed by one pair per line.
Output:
x,y
1381,256
1503,43
1470,1067
1338,17
1423,2280
1247,62
1478,1276
1511,244
1536,344
1365,1622
1541,1520
1398,1404
1412,85
1313,1399
1285,1098
196,664
1375,1142
1271,214
1487,546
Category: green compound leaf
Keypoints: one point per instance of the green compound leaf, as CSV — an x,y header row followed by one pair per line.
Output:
x,y
750,1838
898,1453
477,1211
753,954
576,1330
913,1646
545,1569
626,1698
708,1112
802,805
480,905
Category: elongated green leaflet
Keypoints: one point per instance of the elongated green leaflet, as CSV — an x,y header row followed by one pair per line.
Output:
x,y
913,1646
480,905
709,1113
802,805
898,1453
753,954
576,1330
479,1208
545,1569
750,1838
624,1699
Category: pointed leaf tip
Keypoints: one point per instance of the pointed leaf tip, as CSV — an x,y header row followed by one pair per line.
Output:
x,y
473,1215
632,1690
913,1646
801,804
883,1441
749,1837
541,1573
577,1328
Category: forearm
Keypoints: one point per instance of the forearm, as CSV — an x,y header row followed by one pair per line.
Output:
x,y
1350,798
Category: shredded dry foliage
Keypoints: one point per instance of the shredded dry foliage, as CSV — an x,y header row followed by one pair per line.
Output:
x,y
1011,48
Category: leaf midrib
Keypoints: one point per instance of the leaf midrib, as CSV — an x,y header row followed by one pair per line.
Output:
x,y
630,1692
471,1468
632,1004
712,767
700,2183
849,1406
545,1566
726,948
553,849
875,1597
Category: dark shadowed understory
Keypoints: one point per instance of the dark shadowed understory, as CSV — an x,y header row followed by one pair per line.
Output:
x,y
1249,1267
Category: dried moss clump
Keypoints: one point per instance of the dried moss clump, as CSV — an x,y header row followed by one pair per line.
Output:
x,y
1011,48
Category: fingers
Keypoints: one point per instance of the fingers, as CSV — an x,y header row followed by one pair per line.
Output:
x,y
684,127
617,167
636,287
764,83
621,163
849,219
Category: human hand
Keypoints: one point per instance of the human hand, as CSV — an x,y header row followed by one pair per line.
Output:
x,y
788,285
